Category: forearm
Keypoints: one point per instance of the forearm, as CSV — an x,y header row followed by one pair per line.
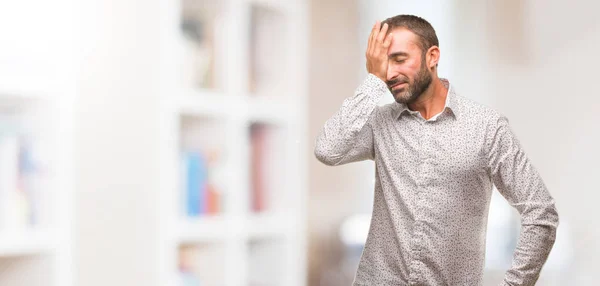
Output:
x,y
535,242
521,184
341,134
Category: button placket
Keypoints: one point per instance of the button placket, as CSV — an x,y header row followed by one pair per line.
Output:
x,y
417,239
424,175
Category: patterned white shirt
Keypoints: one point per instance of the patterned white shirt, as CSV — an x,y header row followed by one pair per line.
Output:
x,y
433,183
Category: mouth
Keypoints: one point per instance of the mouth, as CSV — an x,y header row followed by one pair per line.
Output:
x,y
399,85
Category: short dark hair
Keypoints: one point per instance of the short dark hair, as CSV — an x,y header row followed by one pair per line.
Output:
x,y
417,25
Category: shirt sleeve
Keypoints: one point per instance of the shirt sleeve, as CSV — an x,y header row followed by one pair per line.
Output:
x,y
518,181
348,136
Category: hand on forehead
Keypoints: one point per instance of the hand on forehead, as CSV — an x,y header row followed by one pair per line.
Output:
x,y
404,42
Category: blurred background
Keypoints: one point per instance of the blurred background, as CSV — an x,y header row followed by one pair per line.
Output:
x,y
170,142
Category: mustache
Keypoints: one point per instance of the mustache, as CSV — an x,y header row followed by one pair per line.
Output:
x,y
395,81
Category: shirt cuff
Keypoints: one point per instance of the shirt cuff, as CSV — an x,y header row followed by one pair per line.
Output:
x,y
373,88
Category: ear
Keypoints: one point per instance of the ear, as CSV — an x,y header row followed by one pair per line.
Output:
x,y
433,57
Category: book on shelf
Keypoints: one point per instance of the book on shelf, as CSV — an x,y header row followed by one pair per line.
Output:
x,y
201,196
258,136
21,204
201,264
187,275
197,28
188,278
267,51
267,167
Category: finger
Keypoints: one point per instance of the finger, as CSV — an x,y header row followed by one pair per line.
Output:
x,y
369,41
382,33
388,41
376,30
372,36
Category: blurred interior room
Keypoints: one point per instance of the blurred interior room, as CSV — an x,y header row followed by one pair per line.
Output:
x,y
170,142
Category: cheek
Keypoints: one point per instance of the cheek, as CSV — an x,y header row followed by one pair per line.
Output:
x,y
408,69
402,69
412,70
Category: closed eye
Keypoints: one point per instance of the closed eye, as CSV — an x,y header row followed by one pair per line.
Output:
x,y
398,57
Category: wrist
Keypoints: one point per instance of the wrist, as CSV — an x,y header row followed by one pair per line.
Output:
x,y
375,84
382,78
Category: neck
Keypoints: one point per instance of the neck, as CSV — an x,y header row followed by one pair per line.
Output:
x,y
432,101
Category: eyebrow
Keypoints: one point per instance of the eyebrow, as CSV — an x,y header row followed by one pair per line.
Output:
x,y
398,54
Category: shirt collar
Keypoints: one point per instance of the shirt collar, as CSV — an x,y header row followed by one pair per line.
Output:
x,y
451,102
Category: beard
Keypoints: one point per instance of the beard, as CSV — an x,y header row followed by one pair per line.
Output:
x,y
413,92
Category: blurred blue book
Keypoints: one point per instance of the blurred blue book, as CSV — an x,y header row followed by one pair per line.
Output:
x,y
189,279
195,178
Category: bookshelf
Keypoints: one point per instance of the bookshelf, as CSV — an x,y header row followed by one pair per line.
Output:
x,y
34,182
233,116
36,92
35,185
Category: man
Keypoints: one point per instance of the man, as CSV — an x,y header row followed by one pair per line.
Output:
x,y
437,156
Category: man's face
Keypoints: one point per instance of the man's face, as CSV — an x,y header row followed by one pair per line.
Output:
x,y
407,75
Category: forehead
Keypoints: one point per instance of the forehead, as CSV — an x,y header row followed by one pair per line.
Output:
x,y
403,40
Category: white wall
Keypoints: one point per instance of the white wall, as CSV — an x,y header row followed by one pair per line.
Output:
x,y
335,192
550,98
116,160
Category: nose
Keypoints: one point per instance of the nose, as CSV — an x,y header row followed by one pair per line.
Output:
x,y
391,74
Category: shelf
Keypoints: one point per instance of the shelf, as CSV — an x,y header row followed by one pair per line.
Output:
x,y
212,229
203,229
278,5
238,100
208,104
271,110
267,225
12,98
205,103
31,86
26,242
